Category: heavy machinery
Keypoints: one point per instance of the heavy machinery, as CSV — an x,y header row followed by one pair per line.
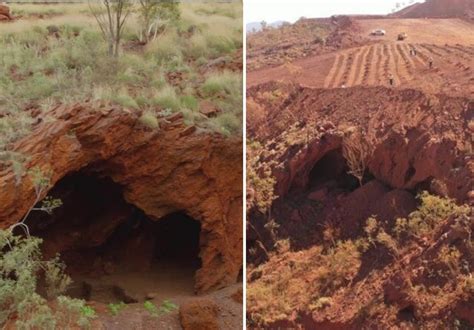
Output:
x,y
402,36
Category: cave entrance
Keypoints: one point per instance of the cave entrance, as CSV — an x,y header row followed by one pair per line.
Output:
x,y
177,240
331,172
113,251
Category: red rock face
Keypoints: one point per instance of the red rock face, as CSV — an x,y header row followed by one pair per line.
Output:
x,y
419,142
159,171
415,137
200,314
5,12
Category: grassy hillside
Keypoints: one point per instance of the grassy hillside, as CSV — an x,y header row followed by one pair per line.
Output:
x,y
56,54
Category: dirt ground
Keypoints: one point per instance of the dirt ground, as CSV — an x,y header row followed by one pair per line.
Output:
x,y
301,115
164,281
451,49
429,30
134,316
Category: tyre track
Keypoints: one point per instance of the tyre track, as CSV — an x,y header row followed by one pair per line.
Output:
x,y
405,53
462,49
447,57
386,64
442,49
375,74
353,71
340,71
419,57
444,53
432,50
396,65
424,54
389,67
360,75
412,59
372,64
405,66
369,65
347,68
329,81
463,53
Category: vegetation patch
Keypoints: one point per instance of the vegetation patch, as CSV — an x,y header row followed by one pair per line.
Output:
x,y
317,278
68,60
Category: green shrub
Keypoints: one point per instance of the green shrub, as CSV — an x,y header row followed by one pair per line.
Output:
x,y
116,308
431,213
167,307
226,82
88,312
13,127
56,280
158,81
38,68
149,120
201,61
165,48
20,265
259,178
301,281
227,124
221,45
167,99
72,312
33,313
189,102
151,308
39,87
197,47
125,101
191,117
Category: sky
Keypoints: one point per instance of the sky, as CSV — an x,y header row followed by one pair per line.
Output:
x,y
292,10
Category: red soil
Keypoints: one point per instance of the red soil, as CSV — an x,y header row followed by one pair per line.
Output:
x,y
451,50
438,9
416,145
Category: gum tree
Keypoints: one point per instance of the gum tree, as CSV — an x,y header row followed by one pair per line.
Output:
x,y
154,12
111,16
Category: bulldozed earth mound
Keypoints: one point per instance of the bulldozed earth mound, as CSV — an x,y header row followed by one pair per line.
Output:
x,y
438,9
306,37
358,208
146,213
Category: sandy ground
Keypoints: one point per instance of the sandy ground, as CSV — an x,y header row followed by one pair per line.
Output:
x,y
165,281
431,30
134,316
451,51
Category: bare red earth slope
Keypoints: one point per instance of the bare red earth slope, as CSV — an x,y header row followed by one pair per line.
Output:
x,y
438,9
380,237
